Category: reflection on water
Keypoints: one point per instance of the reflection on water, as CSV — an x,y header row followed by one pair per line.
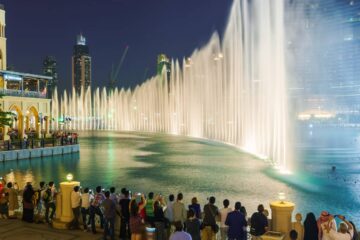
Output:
x,y
168,164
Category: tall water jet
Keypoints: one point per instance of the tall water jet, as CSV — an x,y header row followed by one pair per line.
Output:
x,y
232,91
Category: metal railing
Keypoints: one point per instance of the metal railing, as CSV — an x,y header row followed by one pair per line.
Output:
x,y
32,143
20,93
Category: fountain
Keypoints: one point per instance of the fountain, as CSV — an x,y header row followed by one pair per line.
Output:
x,y
231,90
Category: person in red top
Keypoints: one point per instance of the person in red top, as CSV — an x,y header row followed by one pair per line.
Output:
x,y
141,206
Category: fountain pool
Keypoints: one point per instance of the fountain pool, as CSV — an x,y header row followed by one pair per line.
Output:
x,y
169,164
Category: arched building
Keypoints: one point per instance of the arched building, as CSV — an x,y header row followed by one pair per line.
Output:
x,y
24,95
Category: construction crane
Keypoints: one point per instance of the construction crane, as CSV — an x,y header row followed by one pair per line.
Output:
x,y
115,72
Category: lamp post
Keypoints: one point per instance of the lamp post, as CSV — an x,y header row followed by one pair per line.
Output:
x,y
64,213
281,214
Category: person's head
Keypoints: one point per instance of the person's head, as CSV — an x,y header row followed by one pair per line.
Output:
x,y
260,208
134,209
243,210
180,196
76,188
310,219
324,216
126,194
156,205
9,185
98,189
343,228
191,213
178,226
123,190
212,200
226,203
293,234
237,206
86,190
194,200
51,184
112,190
42,184
151,195
171,197
107,194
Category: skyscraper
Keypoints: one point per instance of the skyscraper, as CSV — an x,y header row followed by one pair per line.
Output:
x,y
81,65
163,61
2,38
50,69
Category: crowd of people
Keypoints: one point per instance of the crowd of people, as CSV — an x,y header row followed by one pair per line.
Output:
x,y
166,217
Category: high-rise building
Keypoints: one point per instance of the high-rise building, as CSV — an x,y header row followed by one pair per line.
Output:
x,y
326,51
81,65
163,62
50,69
2,39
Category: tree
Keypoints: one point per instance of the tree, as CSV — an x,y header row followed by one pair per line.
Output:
x,y
5,117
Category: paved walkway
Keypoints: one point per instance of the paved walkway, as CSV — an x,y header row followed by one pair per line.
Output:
x,y
18,230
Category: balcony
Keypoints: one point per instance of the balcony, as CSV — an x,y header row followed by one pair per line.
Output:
x,y
20,93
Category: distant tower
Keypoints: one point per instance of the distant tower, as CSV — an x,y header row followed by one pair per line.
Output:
x,y
163,61
50,69
2,39
81,65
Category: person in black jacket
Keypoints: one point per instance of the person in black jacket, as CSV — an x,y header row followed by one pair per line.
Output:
x,y
125,216
259,223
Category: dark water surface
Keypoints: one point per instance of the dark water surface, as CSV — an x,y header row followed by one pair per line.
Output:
x,y
170,164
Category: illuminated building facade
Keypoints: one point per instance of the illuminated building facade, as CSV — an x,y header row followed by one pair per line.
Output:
x,y
24,95
50,69
81,65
163,62
326,50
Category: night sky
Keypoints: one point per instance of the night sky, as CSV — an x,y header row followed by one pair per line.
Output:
x,y
38,28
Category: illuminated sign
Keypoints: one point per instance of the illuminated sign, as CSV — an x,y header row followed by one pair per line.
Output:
x,y
12,77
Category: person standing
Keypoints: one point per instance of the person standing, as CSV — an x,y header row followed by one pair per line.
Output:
x,y
259,223
223,215
28,206
13,200
75,205
346,230
311,230
149,209
40,202
195,206
109,216
192,225
49,200
179,234
125,216
159,220
85,207
137,225
179,210
325,222
169,209
95,209
243,211
169,213
209,223
236,222
4,201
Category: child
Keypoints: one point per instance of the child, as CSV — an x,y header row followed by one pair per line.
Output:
x,y
293,235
